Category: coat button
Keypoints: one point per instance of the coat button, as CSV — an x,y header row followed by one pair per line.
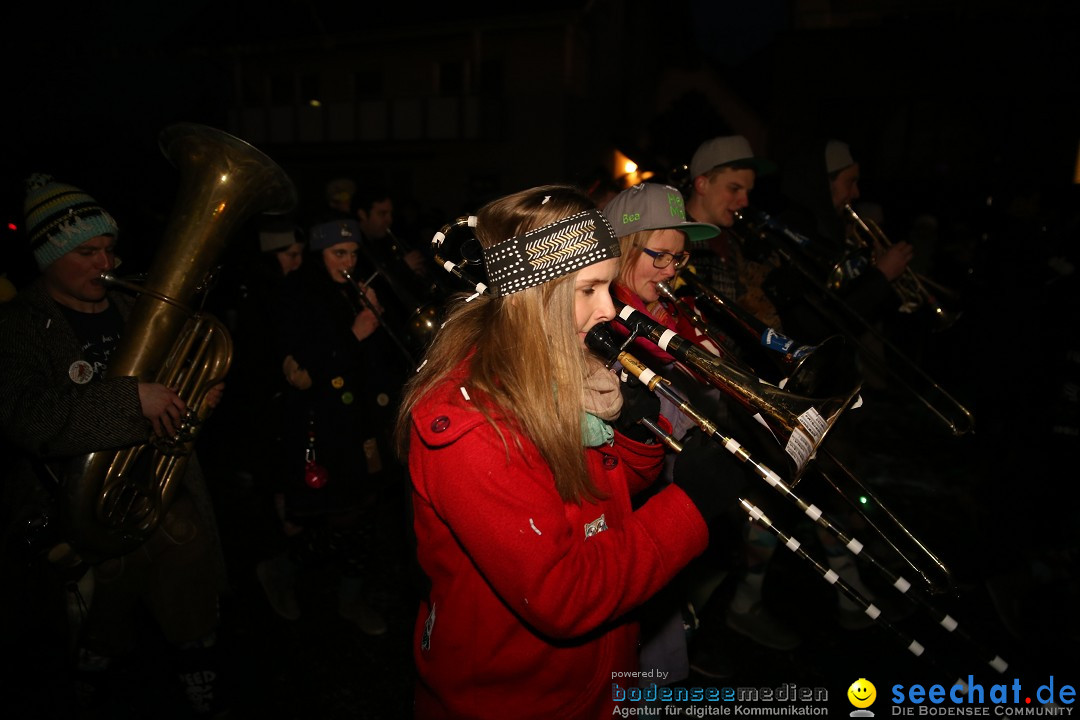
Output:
x,y
610,461
440,423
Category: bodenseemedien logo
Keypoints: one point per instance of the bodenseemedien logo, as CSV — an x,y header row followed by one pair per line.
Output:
x,y
862,694
678,701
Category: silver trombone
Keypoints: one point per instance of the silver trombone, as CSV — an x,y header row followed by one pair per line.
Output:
x,y
826,368
799,423
358,294
600,340
420,314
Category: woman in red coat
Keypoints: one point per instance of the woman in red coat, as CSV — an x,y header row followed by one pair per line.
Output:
x,y
521,487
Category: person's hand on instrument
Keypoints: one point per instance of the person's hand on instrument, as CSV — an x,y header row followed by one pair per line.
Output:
x,y
709,474
894,261
638,402
162,406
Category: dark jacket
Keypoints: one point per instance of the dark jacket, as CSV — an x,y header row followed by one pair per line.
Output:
x,y
809,211
355,387
45,415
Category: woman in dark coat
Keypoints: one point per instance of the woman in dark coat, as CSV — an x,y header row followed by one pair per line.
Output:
x,y
342,396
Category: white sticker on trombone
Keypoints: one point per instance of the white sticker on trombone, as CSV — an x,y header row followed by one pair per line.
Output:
x,y
799,447
814,424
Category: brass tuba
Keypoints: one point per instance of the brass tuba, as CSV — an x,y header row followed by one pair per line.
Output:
x,y
113,500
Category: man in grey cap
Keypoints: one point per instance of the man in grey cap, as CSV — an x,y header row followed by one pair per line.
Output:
x,y
723,171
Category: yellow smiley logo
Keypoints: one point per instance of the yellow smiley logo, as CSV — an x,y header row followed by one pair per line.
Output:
x,y
862,693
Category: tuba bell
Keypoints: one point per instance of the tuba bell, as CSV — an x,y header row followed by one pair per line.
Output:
x,y
113,500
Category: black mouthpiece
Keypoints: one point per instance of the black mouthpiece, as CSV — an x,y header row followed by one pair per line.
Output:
x,y
601,342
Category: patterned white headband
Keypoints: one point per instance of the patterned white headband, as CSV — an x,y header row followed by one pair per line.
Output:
x,y
550,252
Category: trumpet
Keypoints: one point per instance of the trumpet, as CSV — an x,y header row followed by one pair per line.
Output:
x,y
830,306
910,286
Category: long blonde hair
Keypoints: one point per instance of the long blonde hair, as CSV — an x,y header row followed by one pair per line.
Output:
x,y
527,361
631,246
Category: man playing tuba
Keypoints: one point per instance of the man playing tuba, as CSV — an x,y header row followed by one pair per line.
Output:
x,y
56,403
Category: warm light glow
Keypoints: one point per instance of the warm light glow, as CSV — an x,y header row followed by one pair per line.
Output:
x,y
314,103
636,178
627,171
623,165
1076,173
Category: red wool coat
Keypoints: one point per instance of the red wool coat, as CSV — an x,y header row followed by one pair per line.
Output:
x,y
526,613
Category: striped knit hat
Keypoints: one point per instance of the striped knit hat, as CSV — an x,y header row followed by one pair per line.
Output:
x,y
60,217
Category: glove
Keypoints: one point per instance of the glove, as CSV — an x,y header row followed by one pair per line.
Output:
x,y
638,402
710,475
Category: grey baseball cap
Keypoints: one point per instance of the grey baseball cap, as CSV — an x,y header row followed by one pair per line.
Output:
x,y
727,150
652,206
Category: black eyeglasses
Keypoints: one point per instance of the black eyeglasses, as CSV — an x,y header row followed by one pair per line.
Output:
x,y
661,259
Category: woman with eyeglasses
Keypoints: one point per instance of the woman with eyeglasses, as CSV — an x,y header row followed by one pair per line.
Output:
x,y
650,221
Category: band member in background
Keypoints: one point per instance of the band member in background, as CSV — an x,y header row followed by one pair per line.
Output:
x,y
247,428
523,452
723,172
817,183
339,194
412,289
344,383
374,209
56,403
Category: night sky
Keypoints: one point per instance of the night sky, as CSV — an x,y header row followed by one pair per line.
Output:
x,y
945,103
